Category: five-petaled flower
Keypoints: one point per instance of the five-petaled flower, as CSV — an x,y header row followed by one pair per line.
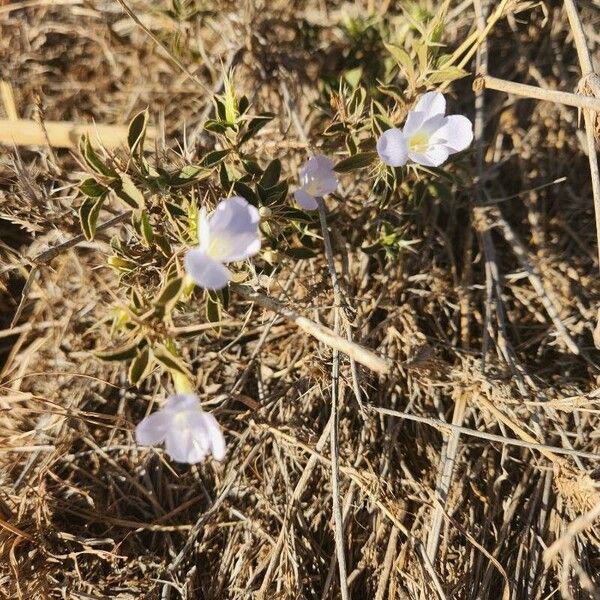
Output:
x,y
229,234
428,137
317,178
189,433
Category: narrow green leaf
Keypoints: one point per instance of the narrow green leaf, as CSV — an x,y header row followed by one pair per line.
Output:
x,y
168,296
446,75
126,190
140,366
255,125
405,62
146,228
271,175
93,160
88,215
215,126
170,361
213,308
300,253
90,187
137,131
126,352
252,167
277,193
358,161
214,157
163,244
246,192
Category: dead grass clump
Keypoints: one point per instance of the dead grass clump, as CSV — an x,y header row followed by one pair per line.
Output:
x,y
467,472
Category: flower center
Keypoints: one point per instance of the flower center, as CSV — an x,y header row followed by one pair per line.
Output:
x,y
419,142
219,247
312,187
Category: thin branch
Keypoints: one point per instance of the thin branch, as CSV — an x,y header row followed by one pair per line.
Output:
x,y
531,91
61,134
322,333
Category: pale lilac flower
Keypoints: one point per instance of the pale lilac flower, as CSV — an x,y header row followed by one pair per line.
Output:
x,y
229,234
189,433
317,178
428,137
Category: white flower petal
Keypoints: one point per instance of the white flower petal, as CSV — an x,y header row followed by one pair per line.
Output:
x,y
203,229
215,436
180,445
234,214
434,156
433,125
152,429
328,185
456,134
431,103
234,230
318,166
392,147
179,402
317,177
414,120
306,201
190,434
206,271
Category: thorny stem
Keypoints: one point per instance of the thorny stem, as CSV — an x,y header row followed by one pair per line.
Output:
x,y
335,398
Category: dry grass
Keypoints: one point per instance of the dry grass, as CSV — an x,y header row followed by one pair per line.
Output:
x,y
494,312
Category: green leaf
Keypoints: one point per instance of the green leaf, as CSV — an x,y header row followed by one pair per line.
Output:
x,y
88,215
246,192
255,125
447,74
300,253
136,299
277,193
293,214
353,76
229,100
147,232
170,361
141,224
126,352
126,190
193,173
214,157
224,176
252,167
137,131
90,187
244,104
405,62
163,244
121,264
271,175
216,126
168,296
140,366
93,160
213,307
358,161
